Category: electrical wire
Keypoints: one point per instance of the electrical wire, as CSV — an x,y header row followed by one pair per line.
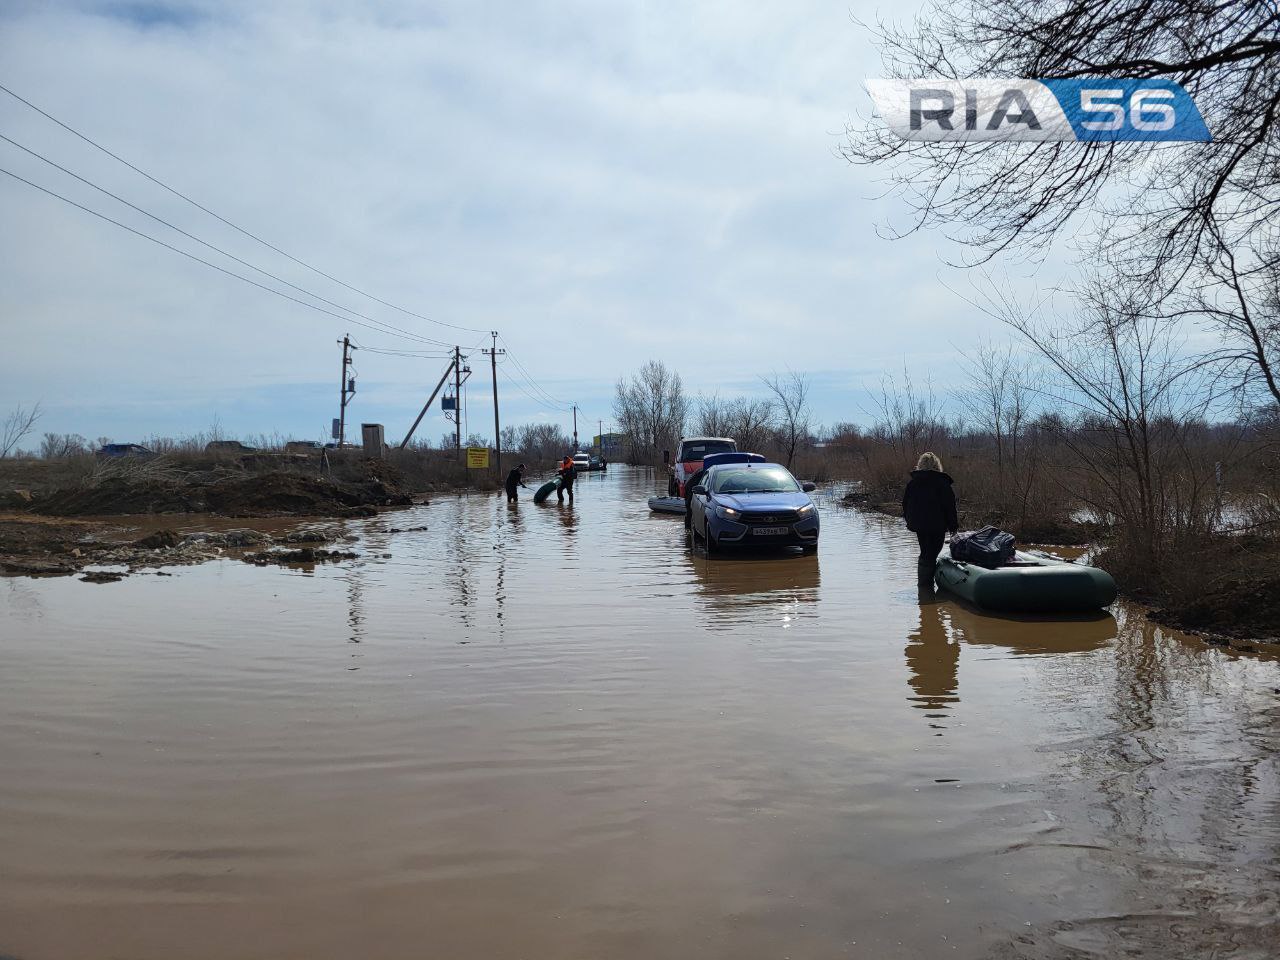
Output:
x,y
548,398
192,256
222,219
392,330
543,398
537,401
415,354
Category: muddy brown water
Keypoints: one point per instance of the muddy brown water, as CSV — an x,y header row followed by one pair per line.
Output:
x,y
545,733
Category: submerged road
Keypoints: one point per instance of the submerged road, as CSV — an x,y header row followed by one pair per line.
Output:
x,y
551,733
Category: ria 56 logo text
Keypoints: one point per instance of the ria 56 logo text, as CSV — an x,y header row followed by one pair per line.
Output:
x,y
1088,109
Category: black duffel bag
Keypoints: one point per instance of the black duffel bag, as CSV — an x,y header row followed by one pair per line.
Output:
x,y
989,547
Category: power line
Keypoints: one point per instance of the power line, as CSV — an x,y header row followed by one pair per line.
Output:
x,y
553,401
540,399
192,256
412,355
529,377
236,227
391,329
393,352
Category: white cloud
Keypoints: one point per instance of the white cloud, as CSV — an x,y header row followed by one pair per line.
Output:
x,y
604,183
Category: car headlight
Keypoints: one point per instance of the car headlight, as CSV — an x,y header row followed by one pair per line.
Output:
x,y
728,512
805,510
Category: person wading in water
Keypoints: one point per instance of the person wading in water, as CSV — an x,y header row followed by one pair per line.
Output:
x,y
515,479
568,473
929,507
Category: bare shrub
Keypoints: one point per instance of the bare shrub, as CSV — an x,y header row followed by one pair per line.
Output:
x,y
55,446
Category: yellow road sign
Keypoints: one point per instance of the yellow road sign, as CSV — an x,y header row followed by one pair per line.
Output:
x,y
478,458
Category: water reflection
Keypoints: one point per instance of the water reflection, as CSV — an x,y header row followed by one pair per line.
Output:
x,y
933,660
355,604
461,543
21,599
568,518
933,648
737,587
1030,635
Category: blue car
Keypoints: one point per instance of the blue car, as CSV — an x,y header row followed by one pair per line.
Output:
x,y
753,504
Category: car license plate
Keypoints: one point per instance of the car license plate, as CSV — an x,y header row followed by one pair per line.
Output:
x,y
772,531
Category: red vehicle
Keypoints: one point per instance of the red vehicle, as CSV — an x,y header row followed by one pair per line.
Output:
x,y
689,458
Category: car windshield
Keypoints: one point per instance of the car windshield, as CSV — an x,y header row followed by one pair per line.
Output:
x,y
754,480
701,449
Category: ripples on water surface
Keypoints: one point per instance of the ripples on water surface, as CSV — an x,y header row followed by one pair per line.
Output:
x,y
552,733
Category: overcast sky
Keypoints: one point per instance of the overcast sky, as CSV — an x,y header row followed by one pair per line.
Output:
x,y
603,183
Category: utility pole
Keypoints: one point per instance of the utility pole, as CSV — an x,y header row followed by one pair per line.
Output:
x,y
457,401
346,389
493,366
600,440
575,428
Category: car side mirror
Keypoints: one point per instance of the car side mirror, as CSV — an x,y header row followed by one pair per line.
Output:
x,y
808,487
699,490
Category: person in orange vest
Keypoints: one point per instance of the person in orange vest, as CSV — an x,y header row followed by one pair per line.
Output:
x,y
568,473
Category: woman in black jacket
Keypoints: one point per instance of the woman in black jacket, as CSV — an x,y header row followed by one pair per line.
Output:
x,y
929,507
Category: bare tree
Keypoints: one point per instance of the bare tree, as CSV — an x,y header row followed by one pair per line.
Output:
x,y
1139,402
651,410
713,415
510,439
909,420
1236,293
543,441
15,428
751,422
792,395
994,195
999,400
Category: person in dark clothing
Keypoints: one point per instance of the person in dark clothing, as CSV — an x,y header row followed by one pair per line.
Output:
x,y
568,474
692,482
514,479
929,508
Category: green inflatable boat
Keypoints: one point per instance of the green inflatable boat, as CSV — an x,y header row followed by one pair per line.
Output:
x,y
1030,584
546,490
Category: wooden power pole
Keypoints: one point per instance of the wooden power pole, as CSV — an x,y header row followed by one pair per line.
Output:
x,y
457,403
346,389
497,429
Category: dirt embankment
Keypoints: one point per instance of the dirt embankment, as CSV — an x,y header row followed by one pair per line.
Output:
x,y
261,495
59,528
43,546
1241,613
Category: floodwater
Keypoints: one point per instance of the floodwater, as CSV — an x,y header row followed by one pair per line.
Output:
x,y
552,733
